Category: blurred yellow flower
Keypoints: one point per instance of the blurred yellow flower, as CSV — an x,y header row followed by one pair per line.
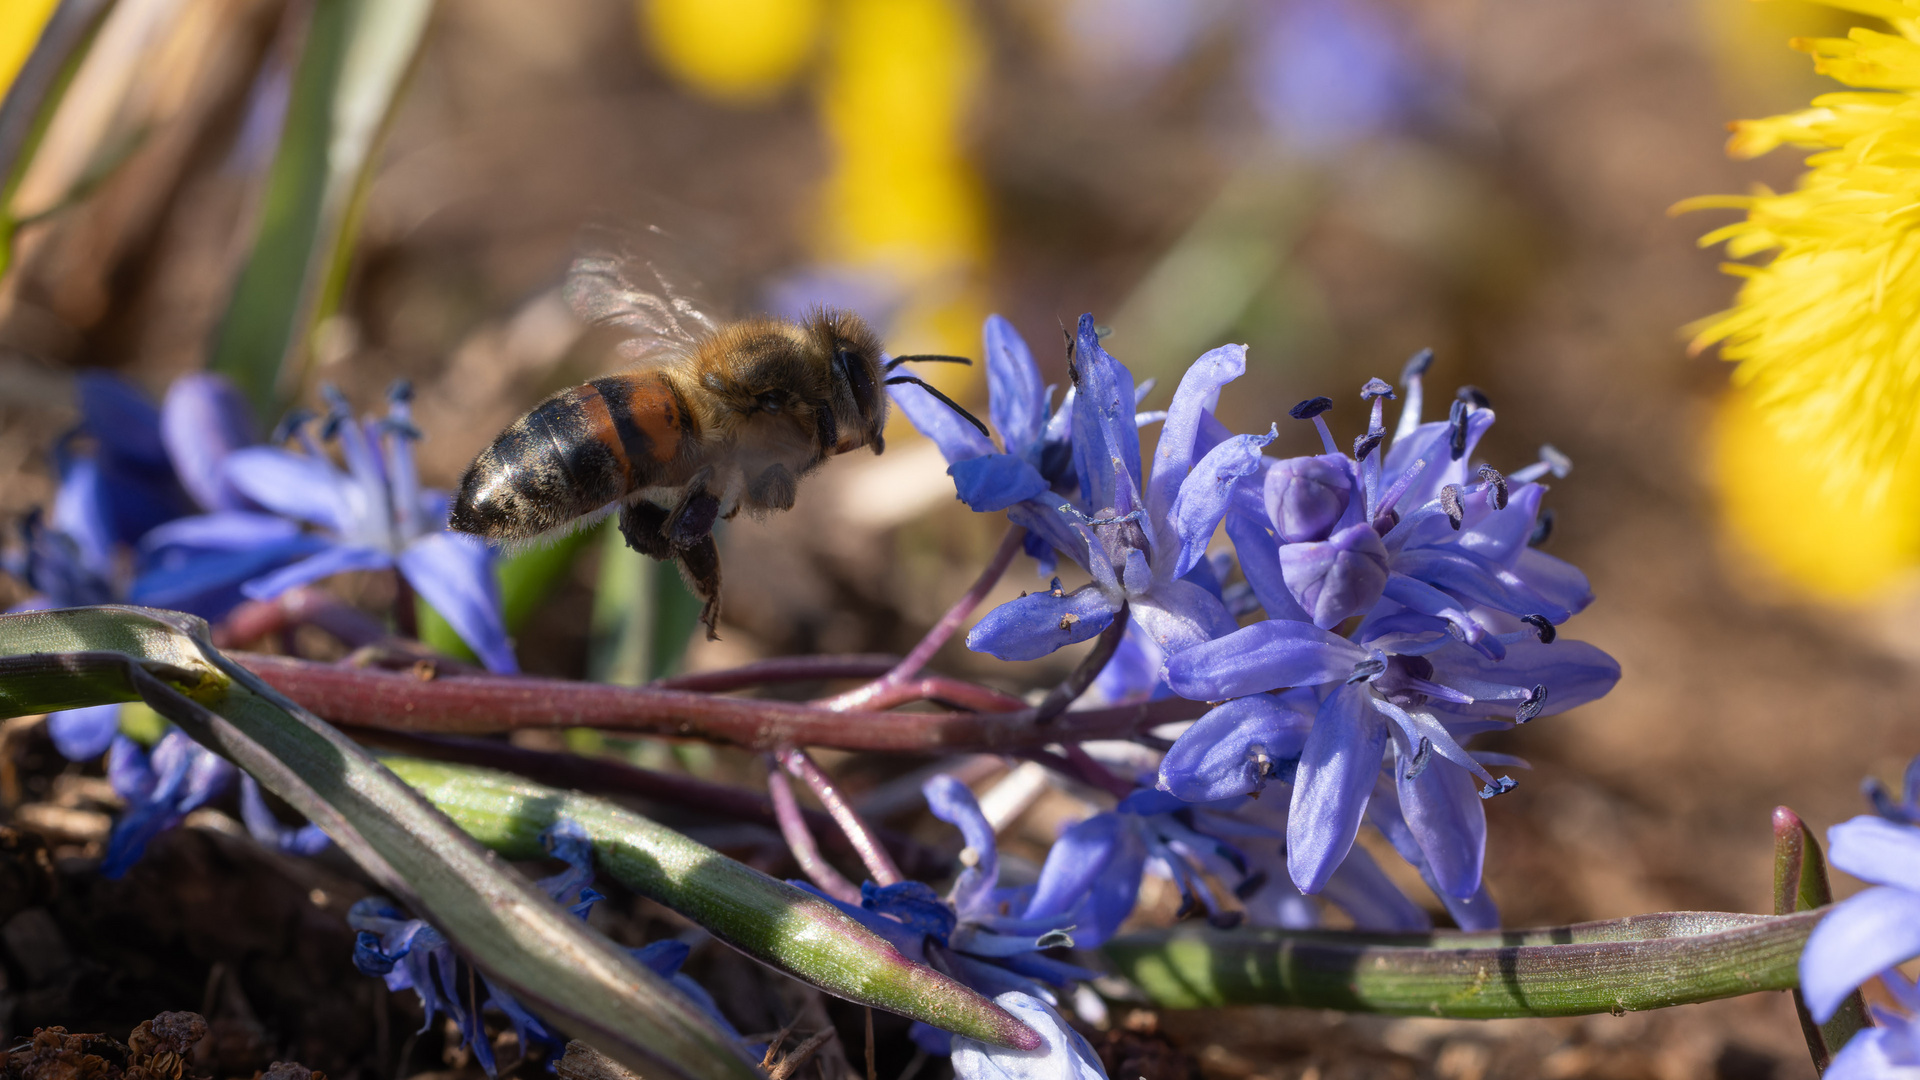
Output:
x,y
1823,538
1827,332
20,24
735,50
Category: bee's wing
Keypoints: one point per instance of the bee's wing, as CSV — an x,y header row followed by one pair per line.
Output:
x,y
625,283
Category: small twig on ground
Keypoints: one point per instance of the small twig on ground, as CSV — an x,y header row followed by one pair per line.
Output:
x,y
873,854
806,852
801,1055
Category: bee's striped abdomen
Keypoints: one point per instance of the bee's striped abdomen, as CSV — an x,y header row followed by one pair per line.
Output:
x,y
576,452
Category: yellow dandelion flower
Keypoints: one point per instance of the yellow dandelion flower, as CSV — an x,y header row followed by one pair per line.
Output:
x,y
1827,331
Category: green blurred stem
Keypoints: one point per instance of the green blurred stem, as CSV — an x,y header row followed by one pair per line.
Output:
x,y
1645,962
769,920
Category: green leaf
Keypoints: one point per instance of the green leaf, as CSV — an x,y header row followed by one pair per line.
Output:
x,y
767,919
1644,962
512,931
1800,884
352,66
643,615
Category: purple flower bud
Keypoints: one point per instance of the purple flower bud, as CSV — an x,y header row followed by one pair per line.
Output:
x,y
1337,577
1307,495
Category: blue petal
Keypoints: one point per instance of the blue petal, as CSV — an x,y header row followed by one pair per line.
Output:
x,y
202,421
1560,582
294,485
993,482
1093,868
1037,624
1064,1055
1877,850
952,802
1478,581
1236,747
83,512
453,573
1874,1054
1259,556
1340,576
207,583
84,734
663,958
913,904
1201,500
1173,456
1306,496
1178,615
120,416
333,560
1016,400
229,530
1132,674
1502,535
1861,937
1449,820
1048,524
1106,445
1337,769
1265,656
1573,672
186,776
957,439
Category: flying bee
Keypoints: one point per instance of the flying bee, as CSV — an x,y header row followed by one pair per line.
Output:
x,y
718,417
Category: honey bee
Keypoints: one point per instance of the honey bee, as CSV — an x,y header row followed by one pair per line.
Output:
x,y
719,417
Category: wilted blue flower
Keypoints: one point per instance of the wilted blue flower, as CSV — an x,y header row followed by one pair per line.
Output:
x,y
411,955
1458,635
1870,932
371,516
160,790
1143,543
1063,1054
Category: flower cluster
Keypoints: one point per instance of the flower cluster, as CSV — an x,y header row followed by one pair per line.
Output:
x,y
181,507
1403,607
1868,934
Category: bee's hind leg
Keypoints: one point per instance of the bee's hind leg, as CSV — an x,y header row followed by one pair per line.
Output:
x,y
693,519
644,526
700,566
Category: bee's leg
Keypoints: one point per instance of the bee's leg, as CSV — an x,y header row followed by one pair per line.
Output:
x,y
700,566
643,525
774,489
694,517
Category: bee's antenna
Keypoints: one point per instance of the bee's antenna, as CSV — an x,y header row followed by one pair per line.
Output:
x,y
950,403
927,358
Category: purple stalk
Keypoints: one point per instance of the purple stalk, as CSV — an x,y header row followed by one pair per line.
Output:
x,y
879,864
793,826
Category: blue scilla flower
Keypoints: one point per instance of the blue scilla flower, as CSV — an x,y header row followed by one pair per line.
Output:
x,y
371,515
1036,463
1143,542
1867,934
409,954
1064,1054
1457,634
160,788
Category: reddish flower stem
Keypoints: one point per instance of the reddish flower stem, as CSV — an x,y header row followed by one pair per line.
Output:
x,y
879,864
793,826
965,695
942,631
596,775
483,705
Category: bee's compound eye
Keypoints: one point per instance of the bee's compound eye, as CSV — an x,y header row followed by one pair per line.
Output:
x,y
771,401
847,365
